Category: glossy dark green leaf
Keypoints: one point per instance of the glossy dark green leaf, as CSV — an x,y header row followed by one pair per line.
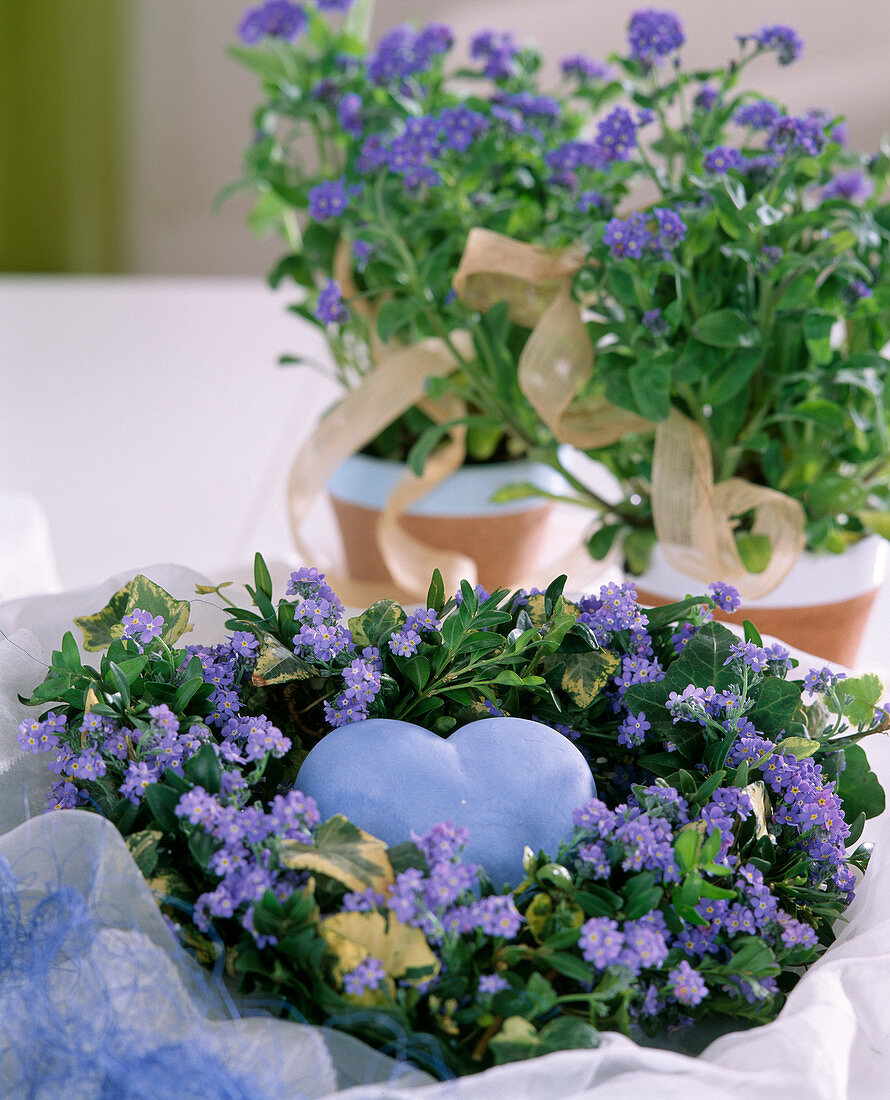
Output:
x,y
726,328
203,769
162,801
858,786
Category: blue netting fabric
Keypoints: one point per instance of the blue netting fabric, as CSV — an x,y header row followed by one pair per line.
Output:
x,y
97,1000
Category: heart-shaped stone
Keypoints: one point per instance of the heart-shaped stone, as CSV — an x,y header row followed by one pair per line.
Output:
x,y
510,781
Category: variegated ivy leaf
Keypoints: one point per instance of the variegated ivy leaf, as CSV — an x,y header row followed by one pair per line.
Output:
x,y
535,609
866,693
799,747
586,674
376,624
539,916
342,852
144,849
760,804
101,628
403,950
276,664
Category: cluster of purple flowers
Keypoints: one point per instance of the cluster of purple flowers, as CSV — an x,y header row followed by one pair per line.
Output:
x,y
725,596
800,134
781,38
413,153
328,199
525,113
142,627
404,642
636,835
654,35
330,309
852,186
614,609
362,678
368,975
317,612
822,680
247,837
759,115
584,69
442,903
273,19
638,945
404,52
722,158
639,836
634,236
498,50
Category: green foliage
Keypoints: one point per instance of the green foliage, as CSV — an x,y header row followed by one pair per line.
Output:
x,y
100,629
769,266
467,1000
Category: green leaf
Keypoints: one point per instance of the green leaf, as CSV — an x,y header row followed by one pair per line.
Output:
x,y
569,965
865,692
375,625
100,629
799,747
261,576
754,550
817,325
516,1041
858,786
203,769
144,850
602,540
568,1033
202,846
587,674
97,628
405,855
415,669
162,801
775,706
133,667
267,65
879,522
703,660
726,328
650,384
731,377
687,848
121,683
185,692
637,547
598,901
276,664
70,652
823,412
396,315
342,852
435,597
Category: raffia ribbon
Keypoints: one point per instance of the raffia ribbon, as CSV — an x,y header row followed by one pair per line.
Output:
x,y
396,383
693,517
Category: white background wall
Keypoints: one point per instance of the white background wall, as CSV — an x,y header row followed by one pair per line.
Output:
x,y
190,105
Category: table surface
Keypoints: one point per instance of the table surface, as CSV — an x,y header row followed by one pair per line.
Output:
x,y
150,420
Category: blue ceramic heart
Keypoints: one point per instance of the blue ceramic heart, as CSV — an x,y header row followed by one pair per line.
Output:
x,y
509,781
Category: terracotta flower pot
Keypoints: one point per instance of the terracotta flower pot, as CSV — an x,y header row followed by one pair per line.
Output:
x,y
505,540
822,606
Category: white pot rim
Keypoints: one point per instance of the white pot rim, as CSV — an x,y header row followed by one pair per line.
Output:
x,y
368,481
815,579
